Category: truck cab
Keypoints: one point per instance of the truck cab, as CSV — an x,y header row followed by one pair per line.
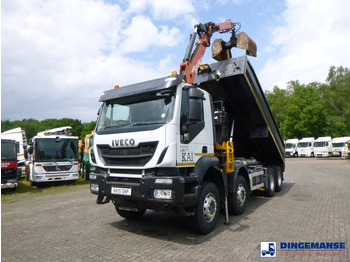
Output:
x,y
323,146
292,147
339,144
306,147
54,156
19,135
9,175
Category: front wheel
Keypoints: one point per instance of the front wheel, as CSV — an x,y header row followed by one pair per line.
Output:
x,y
207,210
132,215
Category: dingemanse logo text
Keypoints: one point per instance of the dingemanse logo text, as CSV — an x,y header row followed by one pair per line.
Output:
x,y
297,249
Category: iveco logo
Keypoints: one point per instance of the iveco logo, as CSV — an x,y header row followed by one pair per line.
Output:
x,y
123,142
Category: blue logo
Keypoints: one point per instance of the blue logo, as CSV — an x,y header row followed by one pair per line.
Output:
x,y
268,249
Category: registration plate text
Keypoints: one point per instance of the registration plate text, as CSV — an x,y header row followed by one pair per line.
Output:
x,y
121,191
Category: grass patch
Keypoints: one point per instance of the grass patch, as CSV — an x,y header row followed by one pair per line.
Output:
x,y
25,190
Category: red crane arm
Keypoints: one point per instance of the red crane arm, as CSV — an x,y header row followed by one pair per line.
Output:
x,y
191,62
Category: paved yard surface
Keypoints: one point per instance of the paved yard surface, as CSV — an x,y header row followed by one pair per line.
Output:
x,y
313,206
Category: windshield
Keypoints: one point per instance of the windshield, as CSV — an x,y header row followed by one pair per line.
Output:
x,y
288,146
8,152
127,112
303,144
56,149
320,144
342,144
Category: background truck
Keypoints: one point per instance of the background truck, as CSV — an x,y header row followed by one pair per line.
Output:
x,y
9,173
292,147
306,146
194,143
20,137
347,149
85,166
323,146
54,156
338,144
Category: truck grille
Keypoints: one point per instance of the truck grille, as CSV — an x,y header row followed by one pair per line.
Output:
x,y
57,168
127,156
9,173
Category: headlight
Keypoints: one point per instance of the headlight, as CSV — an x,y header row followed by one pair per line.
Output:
x,y
162,194
94,187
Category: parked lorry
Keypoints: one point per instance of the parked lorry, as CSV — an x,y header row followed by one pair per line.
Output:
x,y
86,167
292,147
9,174
306,147
338,144
323,146
54,156
347,149
19,135
194,143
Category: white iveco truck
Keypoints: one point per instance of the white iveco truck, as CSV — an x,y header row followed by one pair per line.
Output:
x,y
190,146
54,156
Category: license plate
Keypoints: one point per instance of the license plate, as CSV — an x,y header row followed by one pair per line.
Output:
x,y
121,191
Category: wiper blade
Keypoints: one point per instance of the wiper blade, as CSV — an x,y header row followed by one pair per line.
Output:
x,y
115,126
147,123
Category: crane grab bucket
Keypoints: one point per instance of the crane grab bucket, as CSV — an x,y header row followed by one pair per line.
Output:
x,y
222,50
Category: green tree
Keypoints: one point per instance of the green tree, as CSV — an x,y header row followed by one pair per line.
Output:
x,y
277,98
304,112
88,127
336,95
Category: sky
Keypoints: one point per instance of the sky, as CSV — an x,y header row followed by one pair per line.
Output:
x,y
58,56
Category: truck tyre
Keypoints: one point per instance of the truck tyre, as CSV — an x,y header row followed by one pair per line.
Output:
x,y
207,210
131,215
278,178
270,190
237,201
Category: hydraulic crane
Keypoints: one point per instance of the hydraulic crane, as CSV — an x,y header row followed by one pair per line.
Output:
x,y
220,49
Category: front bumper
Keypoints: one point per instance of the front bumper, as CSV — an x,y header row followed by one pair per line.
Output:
x,y
321,154
184,192
9,185
38,178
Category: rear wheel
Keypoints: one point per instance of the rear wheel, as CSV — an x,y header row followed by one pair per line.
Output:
x,y
128,214
238,200
278,178
270,190
207,210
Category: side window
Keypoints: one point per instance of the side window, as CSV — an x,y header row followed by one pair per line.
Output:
x,y
189,129
184,109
